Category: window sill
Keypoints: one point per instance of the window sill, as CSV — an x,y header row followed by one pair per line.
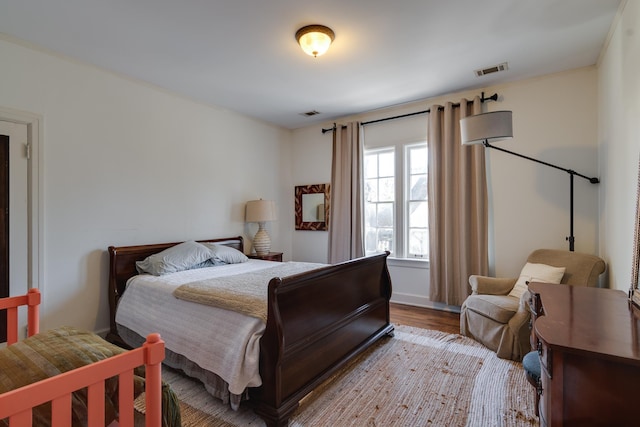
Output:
x,y
408,262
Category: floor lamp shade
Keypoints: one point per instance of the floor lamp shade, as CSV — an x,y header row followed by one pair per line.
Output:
x,y
497,125
483,127
261,211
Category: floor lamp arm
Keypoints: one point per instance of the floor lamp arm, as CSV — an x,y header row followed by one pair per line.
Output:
x,y
571,239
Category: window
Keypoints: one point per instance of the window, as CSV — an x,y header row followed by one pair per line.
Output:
x,y
380,197
396,207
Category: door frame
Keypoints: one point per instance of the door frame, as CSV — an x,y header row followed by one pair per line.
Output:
x,y
35,224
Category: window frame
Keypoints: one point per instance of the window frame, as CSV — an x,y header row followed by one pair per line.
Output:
x,y
406,193
401,205
378,151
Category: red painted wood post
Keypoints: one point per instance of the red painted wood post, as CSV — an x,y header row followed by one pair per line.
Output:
x,y
154,355
33,311
12,325
11,304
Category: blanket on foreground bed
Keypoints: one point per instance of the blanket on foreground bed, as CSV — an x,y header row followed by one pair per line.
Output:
x,y
63,349
245,293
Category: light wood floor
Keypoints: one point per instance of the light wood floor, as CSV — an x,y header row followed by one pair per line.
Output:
x,y
426,318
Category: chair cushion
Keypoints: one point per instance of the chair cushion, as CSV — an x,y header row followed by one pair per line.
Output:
x,y
531,364
500,308
533,272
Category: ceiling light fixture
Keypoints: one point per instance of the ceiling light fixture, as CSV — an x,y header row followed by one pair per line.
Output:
x,y
315,39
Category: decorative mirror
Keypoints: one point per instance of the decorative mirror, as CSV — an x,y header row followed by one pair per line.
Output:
x,y
312,207
634,292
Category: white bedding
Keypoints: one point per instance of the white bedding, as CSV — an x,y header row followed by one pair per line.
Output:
x,y
218,340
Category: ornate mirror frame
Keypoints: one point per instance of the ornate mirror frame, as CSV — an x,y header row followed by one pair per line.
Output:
x,y
300,191
634,292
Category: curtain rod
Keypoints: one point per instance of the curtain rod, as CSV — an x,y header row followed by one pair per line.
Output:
x,y
493,97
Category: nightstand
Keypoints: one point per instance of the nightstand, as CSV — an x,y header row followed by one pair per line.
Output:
x,y
271,256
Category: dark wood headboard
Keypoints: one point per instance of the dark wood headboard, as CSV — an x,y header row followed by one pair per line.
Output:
x,y
122,267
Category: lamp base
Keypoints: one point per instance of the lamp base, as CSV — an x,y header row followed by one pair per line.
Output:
x,y
261,241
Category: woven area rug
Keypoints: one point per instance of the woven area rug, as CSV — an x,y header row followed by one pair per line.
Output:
x,y
417,378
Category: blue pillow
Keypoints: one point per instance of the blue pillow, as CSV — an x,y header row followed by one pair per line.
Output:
x,y
226,254
183,256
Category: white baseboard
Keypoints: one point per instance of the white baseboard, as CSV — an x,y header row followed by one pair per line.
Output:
x,y
422,301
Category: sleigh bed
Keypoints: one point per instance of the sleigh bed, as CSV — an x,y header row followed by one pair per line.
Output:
x,y
316,321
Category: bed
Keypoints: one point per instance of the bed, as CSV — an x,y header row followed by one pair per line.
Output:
x,y
69,377
316,321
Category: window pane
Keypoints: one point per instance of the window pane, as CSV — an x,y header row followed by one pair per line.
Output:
x,y
370,240
387,163
387,190
418,189
385,215
385,240
370,215
419,243
371,166
418,160
371,190
418,215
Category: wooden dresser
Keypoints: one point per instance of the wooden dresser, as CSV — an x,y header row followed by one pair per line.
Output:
x,y
589,345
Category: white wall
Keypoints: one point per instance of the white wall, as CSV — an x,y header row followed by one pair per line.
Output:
x,y
311,164
555,120
619,138
126,163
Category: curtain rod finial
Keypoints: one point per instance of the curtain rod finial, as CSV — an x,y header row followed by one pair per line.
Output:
x,y
493,97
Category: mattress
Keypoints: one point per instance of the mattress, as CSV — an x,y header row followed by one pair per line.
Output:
x,y
217,340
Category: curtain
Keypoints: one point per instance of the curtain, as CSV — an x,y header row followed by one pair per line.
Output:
x,y
346,235
457,192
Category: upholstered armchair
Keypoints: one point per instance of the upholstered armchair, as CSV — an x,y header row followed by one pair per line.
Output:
x,y
497,314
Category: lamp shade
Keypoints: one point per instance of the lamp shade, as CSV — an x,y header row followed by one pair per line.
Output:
x,y
491,126
260,211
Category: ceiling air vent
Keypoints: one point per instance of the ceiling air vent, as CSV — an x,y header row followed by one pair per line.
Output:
x,y
490,70
310,113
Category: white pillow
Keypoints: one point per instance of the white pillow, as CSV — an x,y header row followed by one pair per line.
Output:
x,y
536,273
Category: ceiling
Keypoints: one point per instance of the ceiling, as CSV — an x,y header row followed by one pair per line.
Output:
x,y
241,54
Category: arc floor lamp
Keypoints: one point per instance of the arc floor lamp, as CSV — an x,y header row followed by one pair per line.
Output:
x,y
497,125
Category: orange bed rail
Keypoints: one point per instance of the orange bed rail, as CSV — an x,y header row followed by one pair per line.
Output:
x,y
17,404
11,304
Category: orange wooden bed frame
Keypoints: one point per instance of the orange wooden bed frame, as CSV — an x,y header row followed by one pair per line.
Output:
x,y
17,405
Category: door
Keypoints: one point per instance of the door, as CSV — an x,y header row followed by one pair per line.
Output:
x,y
4,230
13,214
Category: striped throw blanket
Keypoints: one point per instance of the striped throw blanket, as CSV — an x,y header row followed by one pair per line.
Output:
x,y
60,350
244,293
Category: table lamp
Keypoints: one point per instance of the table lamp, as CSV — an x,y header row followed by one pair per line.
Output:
x,y
261,211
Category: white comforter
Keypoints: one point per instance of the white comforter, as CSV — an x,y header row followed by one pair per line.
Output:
x,y
221,341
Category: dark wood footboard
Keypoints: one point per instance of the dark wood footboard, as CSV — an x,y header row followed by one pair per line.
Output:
x,y
317,322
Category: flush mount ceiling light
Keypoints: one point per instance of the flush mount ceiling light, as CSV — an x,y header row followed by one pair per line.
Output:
x,y
315,39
